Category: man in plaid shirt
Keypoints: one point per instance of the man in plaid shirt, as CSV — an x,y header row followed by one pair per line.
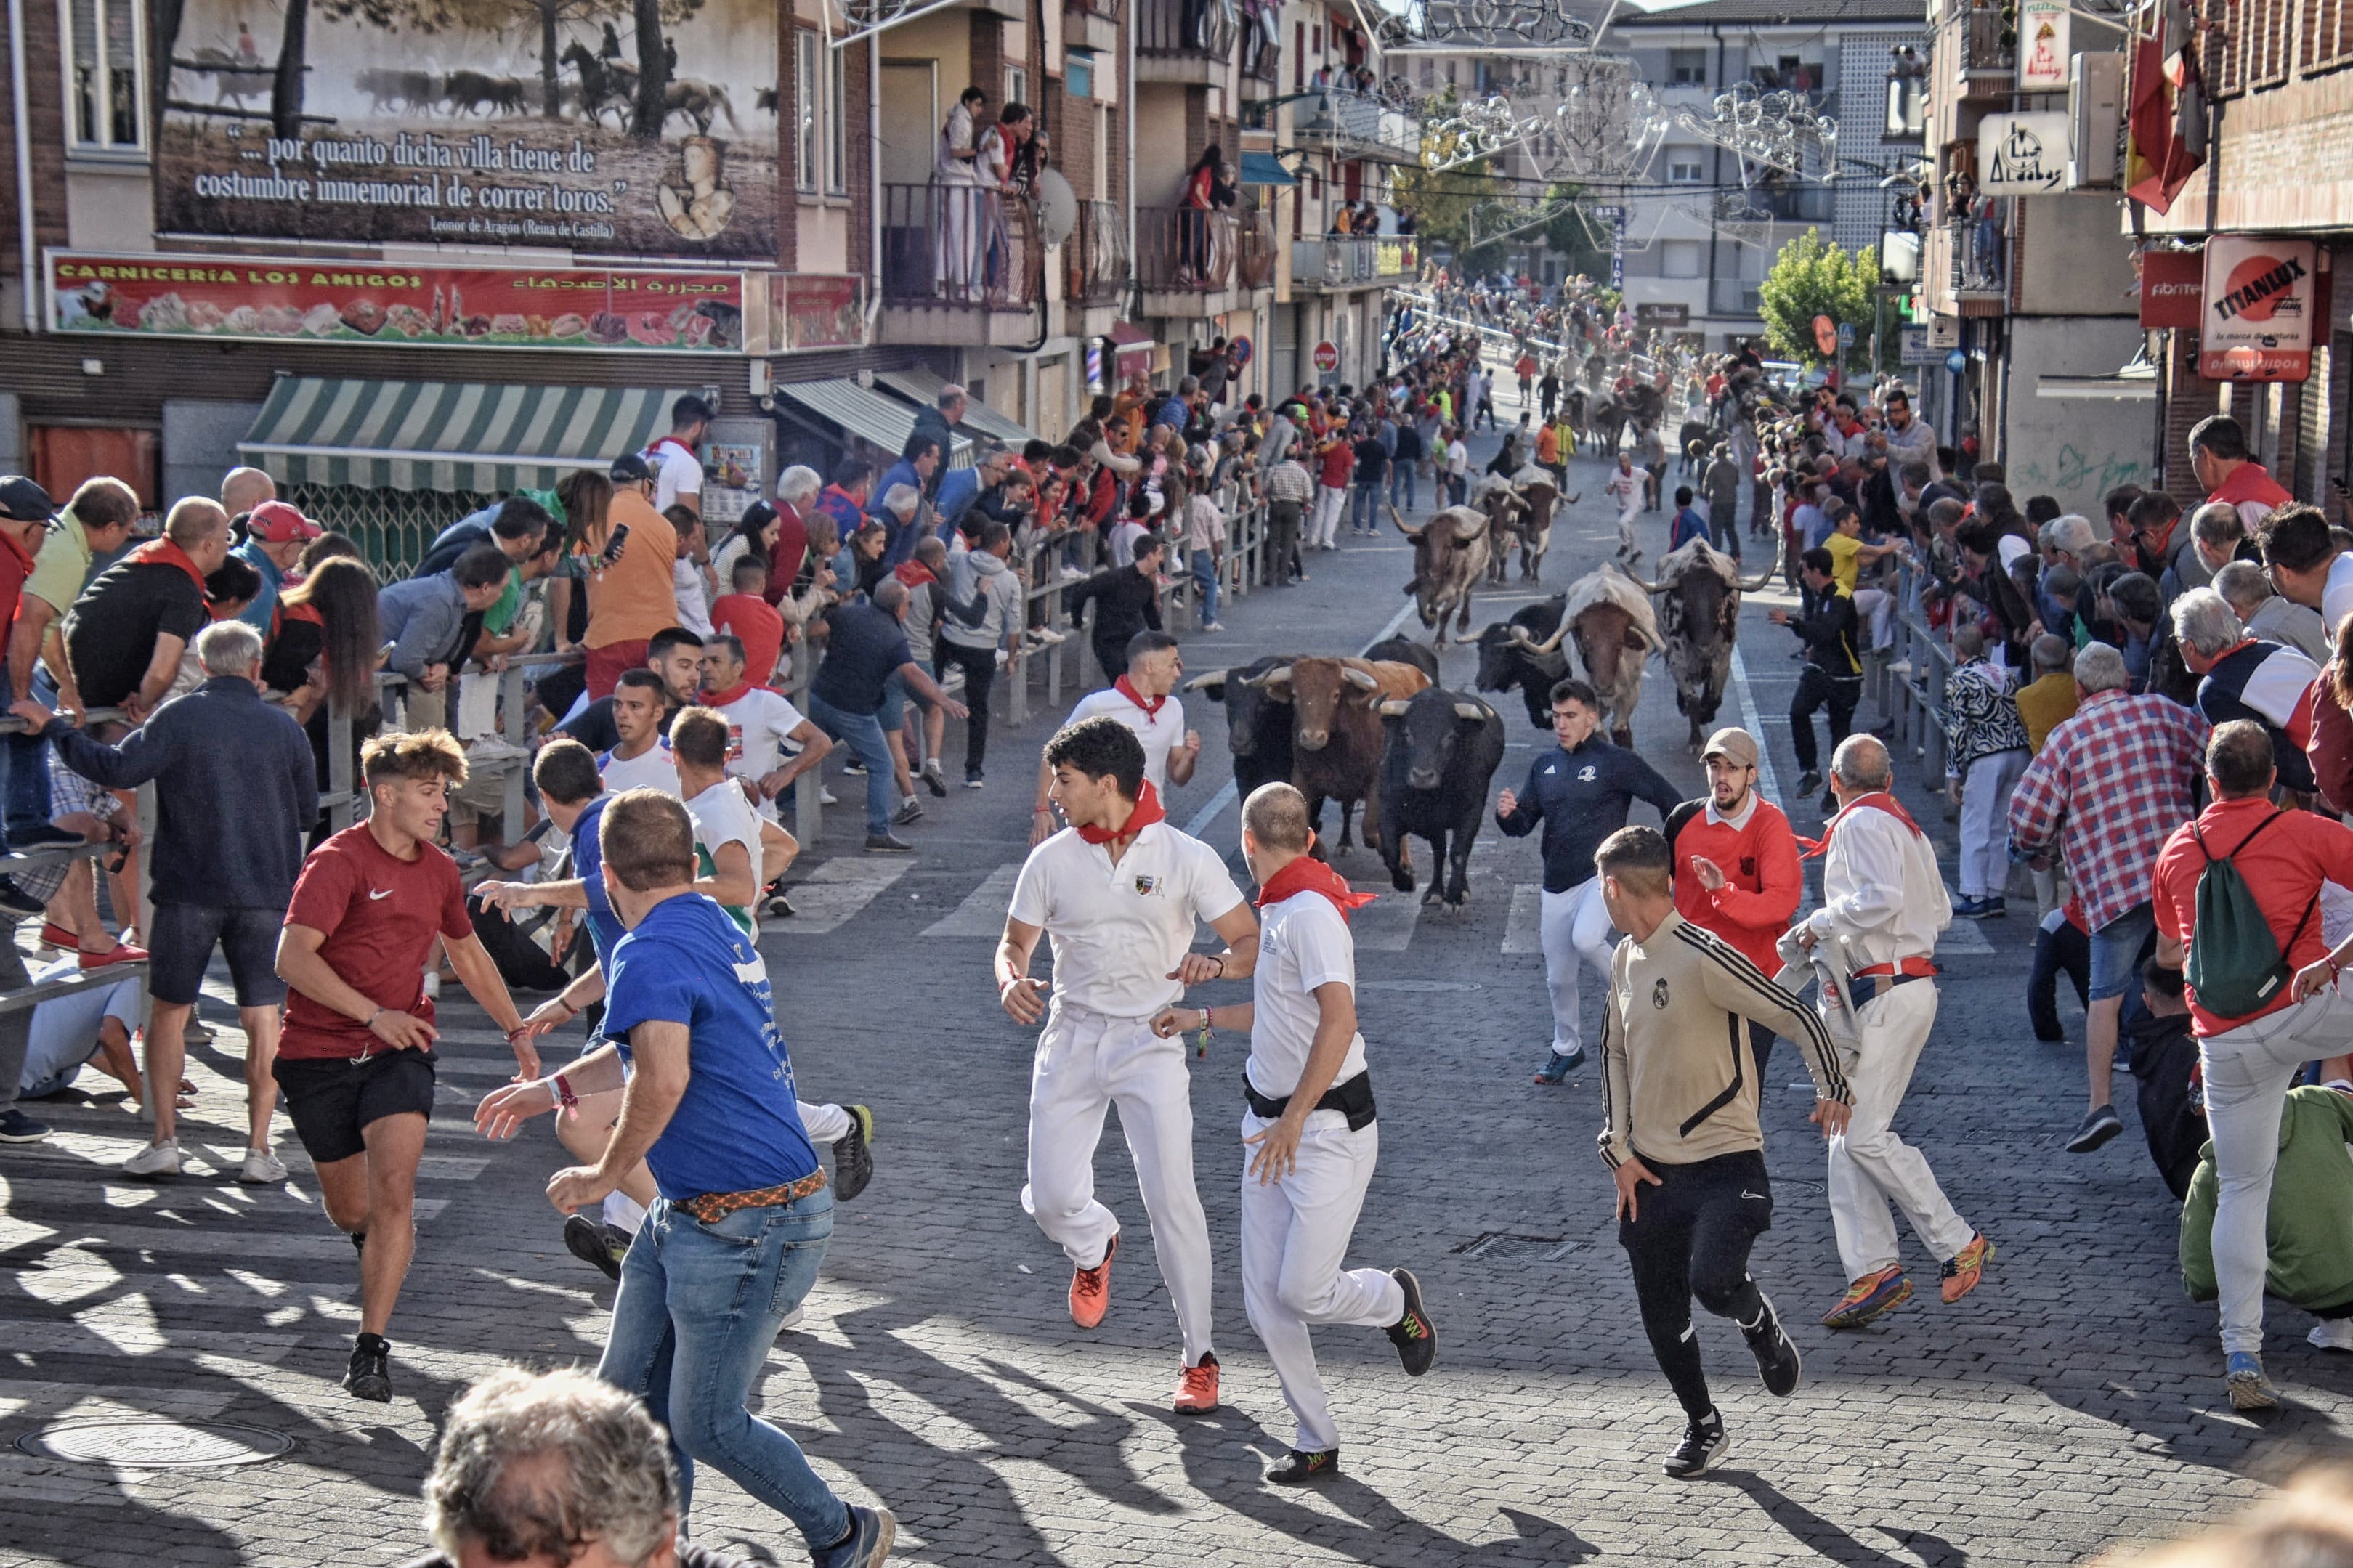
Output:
x,y
2106,789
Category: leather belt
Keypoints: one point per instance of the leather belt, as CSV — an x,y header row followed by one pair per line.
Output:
x,y
712,1207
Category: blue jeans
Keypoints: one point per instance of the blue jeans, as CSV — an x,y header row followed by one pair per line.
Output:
x,y
1402,475
862,733
698,1310
24,794
1368,496
1205,572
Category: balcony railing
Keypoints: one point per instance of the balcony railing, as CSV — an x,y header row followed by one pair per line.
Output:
x,y
1186,247
1101,267
957,244
1355,120
1980,256
1255,255
1108,10
1982,53
1333,261
1802,204
1205,27
1731,297
1261,61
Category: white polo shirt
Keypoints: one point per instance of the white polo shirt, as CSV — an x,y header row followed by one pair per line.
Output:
x,y
1118,931
677,472
759,723
1302,942
654,768
722,816
1159,732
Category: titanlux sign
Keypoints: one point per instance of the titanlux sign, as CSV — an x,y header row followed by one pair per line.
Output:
x,y
2256,322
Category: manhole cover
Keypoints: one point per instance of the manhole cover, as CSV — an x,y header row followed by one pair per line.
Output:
x,y
1501,1246
155,1444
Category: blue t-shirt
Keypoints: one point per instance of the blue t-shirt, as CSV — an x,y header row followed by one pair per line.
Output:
x,y
605,927
738,1128
1689,525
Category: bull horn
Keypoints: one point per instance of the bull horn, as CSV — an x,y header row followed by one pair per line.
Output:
x,y
1359,678
1474,711
1763,577
1646,587
1518,637
1211,679
1552,643
1464,536
1393,708
1398,517
1279,675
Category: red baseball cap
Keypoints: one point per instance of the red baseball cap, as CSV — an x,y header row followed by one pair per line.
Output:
x,y
277,523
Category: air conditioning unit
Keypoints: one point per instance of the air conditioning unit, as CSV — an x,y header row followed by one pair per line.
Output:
x,y
2095,93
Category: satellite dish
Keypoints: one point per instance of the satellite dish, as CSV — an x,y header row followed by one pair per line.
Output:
x,y
1058,208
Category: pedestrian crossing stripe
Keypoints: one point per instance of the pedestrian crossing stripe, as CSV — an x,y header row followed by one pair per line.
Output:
x,y
834,892
982,912
1523,931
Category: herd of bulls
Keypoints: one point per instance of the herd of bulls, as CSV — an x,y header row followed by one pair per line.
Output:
x,y
1379,733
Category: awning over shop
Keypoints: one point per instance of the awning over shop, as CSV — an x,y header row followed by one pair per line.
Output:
x,y
1265,169
923,386
879,421
447,435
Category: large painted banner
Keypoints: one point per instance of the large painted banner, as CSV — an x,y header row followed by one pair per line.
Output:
x,y
373,303
639,128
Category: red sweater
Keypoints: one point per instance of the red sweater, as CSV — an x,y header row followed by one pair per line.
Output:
x,y
1755,907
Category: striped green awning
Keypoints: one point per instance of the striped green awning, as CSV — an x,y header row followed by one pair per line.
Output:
x,y
447,435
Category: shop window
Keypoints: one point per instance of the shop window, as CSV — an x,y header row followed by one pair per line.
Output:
x,y
106,85
66,454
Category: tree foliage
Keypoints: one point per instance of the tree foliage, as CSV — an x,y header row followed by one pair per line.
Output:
x,y
1811,278
1570,232
1442,201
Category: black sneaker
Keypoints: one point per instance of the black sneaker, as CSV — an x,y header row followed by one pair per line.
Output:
x,y
854,767
1414,1335
1778,1365
909,809
15,1127
1703,1447
369,1376
17,901
1298,1468
975,779
1808,781
934,779
888,843
358,1239
778,907
853,1158
2098,1127
593,1243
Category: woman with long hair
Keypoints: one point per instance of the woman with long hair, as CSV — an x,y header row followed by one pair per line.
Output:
x,y
1200,196
754,532
586,498
322,662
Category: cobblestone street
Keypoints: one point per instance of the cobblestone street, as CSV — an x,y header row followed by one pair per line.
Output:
x,y
2074,1402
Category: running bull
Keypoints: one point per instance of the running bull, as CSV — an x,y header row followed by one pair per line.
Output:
x,y
1335,731
1449,554
1438,760
1699,589
1600,632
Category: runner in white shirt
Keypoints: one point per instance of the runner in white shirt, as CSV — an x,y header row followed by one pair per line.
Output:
x,y
1310,1118
1625,486
1119,891
678,472
759,723
1145,700
642,760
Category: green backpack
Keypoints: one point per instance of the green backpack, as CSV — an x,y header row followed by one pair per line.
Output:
x,y
2236,966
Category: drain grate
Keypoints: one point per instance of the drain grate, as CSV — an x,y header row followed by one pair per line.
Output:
x,y
155,1444
1504,1246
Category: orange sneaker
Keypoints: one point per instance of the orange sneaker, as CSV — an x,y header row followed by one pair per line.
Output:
x,y
1197,1387
1872,1295
1090,1290
1966,1268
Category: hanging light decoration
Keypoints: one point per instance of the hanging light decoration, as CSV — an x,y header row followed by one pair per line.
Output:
x,y
1775,130
1516,23
1585,118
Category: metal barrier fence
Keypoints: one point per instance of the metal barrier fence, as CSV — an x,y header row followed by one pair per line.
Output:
x,y
16,998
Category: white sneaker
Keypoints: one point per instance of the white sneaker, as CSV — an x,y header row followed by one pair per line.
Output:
x,y
2333,1334
156,1160
1071,574
793,1320
824,796
493,749
262,1167
1050,636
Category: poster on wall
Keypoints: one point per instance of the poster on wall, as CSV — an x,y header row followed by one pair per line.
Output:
x,y
369,303
2043,46
731,483
513,122
2256,321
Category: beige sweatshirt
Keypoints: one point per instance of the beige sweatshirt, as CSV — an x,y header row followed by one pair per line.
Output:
x,y
1675,1081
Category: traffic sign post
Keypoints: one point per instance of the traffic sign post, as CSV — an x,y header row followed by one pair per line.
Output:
x,y
1327,358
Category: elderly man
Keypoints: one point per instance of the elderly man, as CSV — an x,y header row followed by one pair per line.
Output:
x,y
276,532
2245,678
2216,537
1883,906
126,632
2271,616
2107,787
2254,1031
1986,753
919,462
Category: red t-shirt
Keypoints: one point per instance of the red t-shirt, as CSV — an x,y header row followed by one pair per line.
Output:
x,y
2282,869
15,567
380,913
754,623
1339,463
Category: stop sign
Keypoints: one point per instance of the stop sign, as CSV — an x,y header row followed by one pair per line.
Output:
x,y
1327,357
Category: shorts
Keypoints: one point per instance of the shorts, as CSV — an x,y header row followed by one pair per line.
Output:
x,y
2117,947
180,941
332,1100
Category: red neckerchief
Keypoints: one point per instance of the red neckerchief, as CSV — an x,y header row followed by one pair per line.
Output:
x,y
163,552
732,694
1309,875
913,574
670,441
1878,799
1126,688
1147,812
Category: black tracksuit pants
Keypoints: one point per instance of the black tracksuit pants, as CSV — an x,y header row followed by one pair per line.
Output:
x,y
1689,1237
1817,688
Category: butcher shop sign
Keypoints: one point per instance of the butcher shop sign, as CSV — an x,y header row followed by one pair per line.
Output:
x,y
288,300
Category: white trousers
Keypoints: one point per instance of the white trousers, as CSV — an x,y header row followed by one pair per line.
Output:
x,y
1626,524
1869,1163
1086,1063
1877,608
1575,930
1294,1233
824,1123
1324,526
1985,824
2248,1072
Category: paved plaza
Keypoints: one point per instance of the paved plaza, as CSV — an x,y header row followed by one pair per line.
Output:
x,y
2074,1402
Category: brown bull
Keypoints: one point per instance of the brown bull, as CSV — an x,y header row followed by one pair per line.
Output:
x,y
1335,731
1449,554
